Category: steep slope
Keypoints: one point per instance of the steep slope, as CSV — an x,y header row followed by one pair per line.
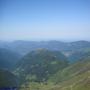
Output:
x,y
74,69
7,80
8,58
75,77
40,64
79,82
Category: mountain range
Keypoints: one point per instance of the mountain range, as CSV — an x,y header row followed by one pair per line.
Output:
x,y
24,47
45,65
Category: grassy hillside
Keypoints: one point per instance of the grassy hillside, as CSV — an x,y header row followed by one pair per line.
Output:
x,y
74,77
79,67
40,64
79,82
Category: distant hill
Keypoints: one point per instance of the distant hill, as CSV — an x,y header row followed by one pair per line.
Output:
x,y
24,47
40,64
79,54
8,58
7,80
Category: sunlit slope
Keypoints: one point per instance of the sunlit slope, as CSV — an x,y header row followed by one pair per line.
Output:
x,y
39,65
75,77
60,76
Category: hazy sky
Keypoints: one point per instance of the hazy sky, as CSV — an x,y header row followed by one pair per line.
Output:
x,y
44,19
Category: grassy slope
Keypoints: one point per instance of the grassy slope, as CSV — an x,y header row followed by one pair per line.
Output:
x,y
75,77
79,82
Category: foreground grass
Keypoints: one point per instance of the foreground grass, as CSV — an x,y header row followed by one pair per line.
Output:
x,y
80,82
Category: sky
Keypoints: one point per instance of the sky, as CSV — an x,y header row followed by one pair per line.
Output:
x,y
45,20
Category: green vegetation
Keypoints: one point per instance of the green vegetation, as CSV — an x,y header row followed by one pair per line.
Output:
x,y
46,69
74,77
71,77
7,79
39,65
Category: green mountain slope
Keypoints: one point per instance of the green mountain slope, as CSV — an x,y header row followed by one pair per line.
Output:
x,y
7,79
79,82
74,69
40,64
74,77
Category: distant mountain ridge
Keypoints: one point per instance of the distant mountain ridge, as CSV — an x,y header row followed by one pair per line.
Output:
x,y
23,47
75,77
